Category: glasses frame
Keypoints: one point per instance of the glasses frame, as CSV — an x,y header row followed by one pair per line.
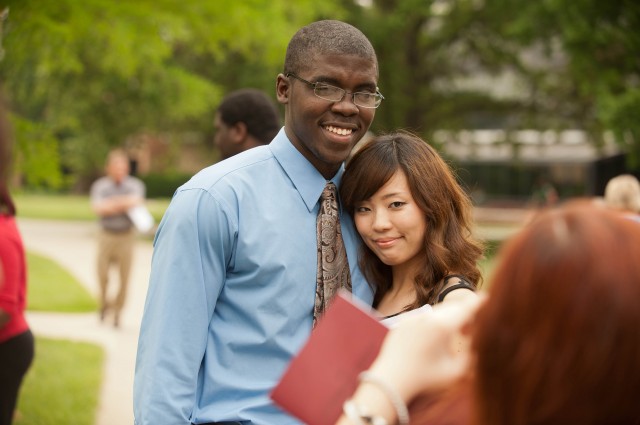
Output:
x,y
379,96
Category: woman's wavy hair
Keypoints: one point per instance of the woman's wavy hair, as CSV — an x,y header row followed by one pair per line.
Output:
x,y
449,244
558,341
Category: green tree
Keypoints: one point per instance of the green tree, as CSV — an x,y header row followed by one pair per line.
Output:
x,y
576,64
592,52
89,74
425,49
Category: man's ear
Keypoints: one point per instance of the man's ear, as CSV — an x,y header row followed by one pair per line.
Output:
x,y
238,132
283,85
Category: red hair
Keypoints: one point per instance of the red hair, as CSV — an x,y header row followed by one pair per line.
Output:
x,y
558,341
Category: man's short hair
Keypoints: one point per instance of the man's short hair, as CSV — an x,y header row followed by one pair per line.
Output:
x,y
255,109
326,37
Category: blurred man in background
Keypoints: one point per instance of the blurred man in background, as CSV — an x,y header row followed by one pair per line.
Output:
x,y
112,197
245,119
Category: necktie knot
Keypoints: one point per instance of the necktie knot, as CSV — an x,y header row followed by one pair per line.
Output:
x,y
329,193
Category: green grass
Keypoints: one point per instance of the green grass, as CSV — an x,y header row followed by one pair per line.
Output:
x,y
62,385
486,266
57,207
70,207
488,263
53,288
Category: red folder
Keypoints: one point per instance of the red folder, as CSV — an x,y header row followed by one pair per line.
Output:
x,y
324,374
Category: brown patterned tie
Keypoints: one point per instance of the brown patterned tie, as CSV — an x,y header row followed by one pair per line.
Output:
x,y
333,267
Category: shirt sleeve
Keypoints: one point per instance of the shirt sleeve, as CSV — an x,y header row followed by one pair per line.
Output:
x,y
193,245
96,192
12,272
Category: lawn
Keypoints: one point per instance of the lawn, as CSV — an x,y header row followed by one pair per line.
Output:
x,y
71,207
63,384
53,288
486,267
62,387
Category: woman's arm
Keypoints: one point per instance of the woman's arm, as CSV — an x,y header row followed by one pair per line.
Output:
x,y
419,355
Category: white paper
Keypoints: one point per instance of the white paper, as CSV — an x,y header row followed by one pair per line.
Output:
x,y
141,218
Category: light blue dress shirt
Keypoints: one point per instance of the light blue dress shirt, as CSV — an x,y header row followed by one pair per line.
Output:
x,y
232,288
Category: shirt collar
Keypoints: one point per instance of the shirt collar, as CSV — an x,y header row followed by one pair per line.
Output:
x,y
304,176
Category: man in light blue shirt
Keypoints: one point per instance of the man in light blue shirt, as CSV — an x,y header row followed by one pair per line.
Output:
x,y
233,277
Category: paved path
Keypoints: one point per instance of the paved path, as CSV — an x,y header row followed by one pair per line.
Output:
x,y
73,246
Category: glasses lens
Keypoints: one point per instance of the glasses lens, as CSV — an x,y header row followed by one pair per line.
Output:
x,y
367,100
327,92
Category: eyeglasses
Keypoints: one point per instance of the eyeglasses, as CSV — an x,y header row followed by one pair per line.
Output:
x,y
336,94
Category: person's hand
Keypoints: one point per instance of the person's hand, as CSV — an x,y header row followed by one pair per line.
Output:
x,y
422,353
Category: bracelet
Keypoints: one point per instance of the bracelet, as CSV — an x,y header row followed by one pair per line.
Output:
x,y
359,416
391,393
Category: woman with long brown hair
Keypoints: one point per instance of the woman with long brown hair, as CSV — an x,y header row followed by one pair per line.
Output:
x,y
415,221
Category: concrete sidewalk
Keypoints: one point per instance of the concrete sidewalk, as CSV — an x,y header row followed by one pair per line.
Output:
x,y
73,246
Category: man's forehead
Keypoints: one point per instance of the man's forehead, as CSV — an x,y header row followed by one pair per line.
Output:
x,y
346,63
347,75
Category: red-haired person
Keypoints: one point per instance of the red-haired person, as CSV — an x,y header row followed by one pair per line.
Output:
x,y
557,341
16,340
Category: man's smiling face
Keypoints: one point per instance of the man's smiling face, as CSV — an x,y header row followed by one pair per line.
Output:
x,y
324,131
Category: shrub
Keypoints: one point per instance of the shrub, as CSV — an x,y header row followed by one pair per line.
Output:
x,y
163,185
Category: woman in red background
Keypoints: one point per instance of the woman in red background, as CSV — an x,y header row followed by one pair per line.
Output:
x,y
16,340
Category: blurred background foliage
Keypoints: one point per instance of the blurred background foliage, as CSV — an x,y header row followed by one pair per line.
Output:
x,y
81,77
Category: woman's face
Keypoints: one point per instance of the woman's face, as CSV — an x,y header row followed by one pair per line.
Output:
x,y
391,223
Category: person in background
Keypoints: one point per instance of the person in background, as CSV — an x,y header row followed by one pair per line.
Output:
x,y
245,118
544,193
17,345
622,194
416,224
112,197
234,279
555,342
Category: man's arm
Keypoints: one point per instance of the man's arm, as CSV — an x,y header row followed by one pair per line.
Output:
x,y
114,205
187,274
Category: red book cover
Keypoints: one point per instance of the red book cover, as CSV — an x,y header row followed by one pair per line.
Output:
x,y
325,372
